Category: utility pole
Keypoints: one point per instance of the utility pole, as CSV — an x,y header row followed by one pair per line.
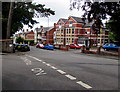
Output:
x,y
48,21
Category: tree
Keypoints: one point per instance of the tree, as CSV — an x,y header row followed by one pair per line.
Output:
x,y
99,11
111,36
23,14
19,40
9,19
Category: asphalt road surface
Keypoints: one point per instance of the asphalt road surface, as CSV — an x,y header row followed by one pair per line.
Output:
x,y
41,69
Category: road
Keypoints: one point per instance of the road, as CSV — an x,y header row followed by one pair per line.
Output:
x,y
41,69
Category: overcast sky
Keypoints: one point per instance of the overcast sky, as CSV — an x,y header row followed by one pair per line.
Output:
x,y
61,8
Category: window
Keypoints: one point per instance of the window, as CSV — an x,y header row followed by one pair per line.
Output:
x,y
85,31
70,22
62,40
72,31
59,23
81,42
78,31
72,40
67,31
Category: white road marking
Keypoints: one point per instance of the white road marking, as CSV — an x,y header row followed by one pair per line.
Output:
x,y
39,60
48,64
34,58
27,61
70,77
53,67
35,70
84,84
43,62
62,72
40,72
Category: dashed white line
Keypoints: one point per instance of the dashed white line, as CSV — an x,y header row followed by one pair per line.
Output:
x,y
43,62
62,72
39,60
53,67
84,84
48,64
70,77
34,58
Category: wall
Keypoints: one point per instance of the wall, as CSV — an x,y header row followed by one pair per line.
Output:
x,y
6,45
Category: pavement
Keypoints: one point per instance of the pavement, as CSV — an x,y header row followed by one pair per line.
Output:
x,y
78,51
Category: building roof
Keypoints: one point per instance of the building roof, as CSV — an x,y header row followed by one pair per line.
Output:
x,y
64,20
50,28
78,19
42,28
46,28
87,24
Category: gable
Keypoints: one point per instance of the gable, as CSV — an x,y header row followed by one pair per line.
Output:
x,y
70,19
60,21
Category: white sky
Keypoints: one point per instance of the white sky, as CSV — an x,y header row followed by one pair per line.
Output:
x,y
61,8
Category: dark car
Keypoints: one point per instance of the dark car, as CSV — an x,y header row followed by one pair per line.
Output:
x,y
110,46
74,46
22,47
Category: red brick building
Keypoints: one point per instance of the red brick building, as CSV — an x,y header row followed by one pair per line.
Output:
x,y
50,35
75,30
28,36
44,35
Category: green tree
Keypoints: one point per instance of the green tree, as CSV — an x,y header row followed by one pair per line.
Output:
x,y
111,36
22,14
99,11
19,40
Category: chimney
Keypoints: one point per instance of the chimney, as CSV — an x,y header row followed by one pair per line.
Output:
x,y
41,26
54,26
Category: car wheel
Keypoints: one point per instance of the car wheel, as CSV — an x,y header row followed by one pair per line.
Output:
x,y
107,49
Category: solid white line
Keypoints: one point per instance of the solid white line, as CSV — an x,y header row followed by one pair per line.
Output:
x,y
62,72
84,84
53,67
70,77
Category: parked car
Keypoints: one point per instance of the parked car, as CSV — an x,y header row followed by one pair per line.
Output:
x,y
81,45
22,47
74,46
39,46
110,46
49,47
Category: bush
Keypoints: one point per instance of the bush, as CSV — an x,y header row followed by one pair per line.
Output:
x,y
19,40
